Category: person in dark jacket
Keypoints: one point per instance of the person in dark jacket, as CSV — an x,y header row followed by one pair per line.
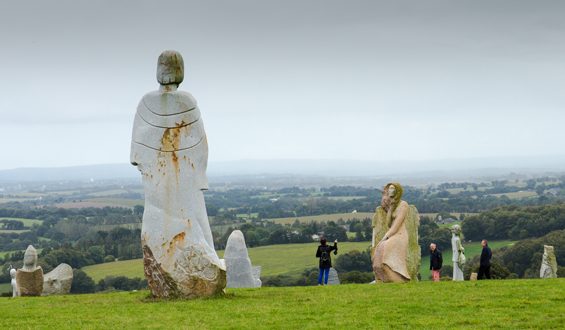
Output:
x,y
486,254
325,263
436,261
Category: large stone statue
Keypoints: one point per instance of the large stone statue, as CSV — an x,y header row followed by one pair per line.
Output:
x,y
396,256
170,149
58,281
238,264
29,279
458,256
548,267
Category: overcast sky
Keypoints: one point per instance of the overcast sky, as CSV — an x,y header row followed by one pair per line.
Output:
x,y
292,79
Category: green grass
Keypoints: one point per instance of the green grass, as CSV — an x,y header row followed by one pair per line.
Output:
x,y
288,259
325,217
518,194
471,250
510,304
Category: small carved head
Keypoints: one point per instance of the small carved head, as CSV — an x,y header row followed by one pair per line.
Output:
x,y
12,273
456,229
170,68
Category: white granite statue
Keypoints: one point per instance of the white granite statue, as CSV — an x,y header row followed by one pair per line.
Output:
x,y
58,281
13,282
29,279
548,267
238,264
458,256
170,149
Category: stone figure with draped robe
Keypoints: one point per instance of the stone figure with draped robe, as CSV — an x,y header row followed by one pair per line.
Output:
x,y
395,251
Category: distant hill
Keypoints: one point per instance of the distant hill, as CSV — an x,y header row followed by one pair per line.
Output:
x,y
448,169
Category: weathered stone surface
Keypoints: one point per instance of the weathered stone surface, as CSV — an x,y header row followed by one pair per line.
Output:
x,y
58,281
396,253
30,283
238,264
458,253
170,149
333,278
29,278
473,277
548,267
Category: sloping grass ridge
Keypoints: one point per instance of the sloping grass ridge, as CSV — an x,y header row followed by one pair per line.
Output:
x,y
516,304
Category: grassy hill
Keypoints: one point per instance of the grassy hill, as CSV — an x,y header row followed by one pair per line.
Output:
x,y
324,218
274,260
290,259
512,304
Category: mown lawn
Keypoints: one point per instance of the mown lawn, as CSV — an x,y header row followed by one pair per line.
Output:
x,y
510,304
274,259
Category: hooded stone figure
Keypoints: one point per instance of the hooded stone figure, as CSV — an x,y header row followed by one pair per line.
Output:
x,y
458,256
170,149
29,278
396,253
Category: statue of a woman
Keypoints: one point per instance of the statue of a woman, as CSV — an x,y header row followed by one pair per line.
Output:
x,y
396,257
458,256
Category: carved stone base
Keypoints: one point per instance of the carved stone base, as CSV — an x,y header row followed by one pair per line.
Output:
x,y
30,283
193,276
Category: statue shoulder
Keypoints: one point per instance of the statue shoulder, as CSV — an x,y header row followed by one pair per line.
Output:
x,y
168,103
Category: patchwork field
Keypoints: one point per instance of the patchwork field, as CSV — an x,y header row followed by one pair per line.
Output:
x,y
325,217
509,304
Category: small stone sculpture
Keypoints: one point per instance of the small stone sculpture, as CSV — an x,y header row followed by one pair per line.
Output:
x,y
473,277
257,274
548,267
333,278
396,253
13,282
458,256
170,149
238,264
58,281
29,279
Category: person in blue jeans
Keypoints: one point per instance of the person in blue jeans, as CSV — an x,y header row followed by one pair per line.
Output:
x,y
323,254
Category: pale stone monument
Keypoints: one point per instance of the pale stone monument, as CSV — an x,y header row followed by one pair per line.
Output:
x,y
170,149
396,253
458,256
29,279
13,282
548,267
58,281
473,277
257,274
238,265
333,278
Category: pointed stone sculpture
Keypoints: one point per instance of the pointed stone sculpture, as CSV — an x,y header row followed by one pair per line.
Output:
x,y
548,267
395,250
13,282
29,279
58,281
170,149
458,256
238,264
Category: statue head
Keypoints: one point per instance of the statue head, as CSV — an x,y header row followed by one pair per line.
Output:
x,y
394,192
456,229
30,258
170,68
12,273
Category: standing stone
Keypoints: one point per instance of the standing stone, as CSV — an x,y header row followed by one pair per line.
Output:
x,y
170,149
238,264
548,267
333,279
29,279
458,256
396,253
58,281
13,282
473,277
